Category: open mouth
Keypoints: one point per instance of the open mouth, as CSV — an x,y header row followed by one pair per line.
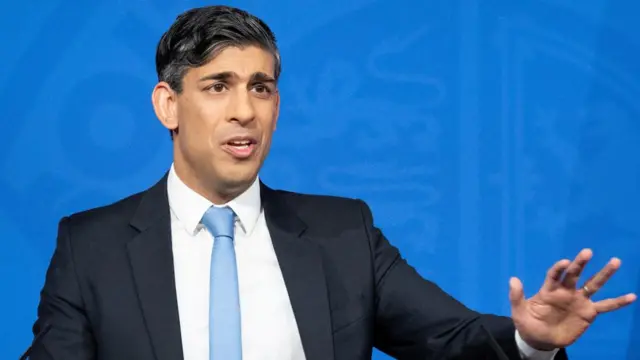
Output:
x,y
240,148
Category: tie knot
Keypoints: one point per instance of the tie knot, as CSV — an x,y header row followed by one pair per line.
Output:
x,y
219,221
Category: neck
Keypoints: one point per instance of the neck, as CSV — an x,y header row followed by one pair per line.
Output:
x,y
212,190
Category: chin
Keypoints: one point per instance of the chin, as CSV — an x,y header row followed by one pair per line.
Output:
x,y
236,178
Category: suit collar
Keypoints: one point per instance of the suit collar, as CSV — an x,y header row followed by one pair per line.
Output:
x,y
153,206
279,213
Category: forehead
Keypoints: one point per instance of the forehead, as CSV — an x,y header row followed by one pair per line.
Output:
x,y
244,61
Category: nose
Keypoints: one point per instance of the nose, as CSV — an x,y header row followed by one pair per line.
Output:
x,y
242,108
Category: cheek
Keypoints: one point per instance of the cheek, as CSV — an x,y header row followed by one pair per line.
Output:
x,y
200,111
267,138
269,117
198,130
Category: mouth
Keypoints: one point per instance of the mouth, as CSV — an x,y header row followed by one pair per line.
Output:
x,y
240,147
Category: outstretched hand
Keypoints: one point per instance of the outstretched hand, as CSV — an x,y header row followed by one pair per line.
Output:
x,y
560,312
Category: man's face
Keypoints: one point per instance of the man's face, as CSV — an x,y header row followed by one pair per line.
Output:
x,y
225,118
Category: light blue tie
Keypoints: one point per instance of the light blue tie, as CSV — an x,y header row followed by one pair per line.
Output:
x,y
225,341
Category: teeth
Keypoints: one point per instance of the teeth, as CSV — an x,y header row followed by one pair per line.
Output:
x,y
240,143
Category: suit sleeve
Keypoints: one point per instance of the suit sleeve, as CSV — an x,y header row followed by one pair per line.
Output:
x,y
61,309
416,319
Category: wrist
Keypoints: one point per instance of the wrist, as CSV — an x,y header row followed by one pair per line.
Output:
x,y
537,345
540,347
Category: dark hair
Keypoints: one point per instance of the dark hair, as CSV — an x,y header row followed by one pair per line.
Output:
x,y
199,34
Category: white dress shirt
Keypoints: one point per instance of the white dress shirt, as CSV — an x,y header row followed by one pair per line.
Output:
x,y
269,328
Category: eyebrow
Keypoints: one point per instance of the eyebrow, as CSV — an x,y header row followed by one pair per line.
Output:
x,y
227,75
262,77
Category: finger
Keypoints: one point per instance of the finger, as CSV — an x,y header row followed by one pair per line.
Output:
x,y
575,269
554,274
597,281
516,294
604,306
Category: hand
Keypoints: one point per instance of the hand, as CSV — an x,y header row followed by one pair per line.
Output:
x,y
560,313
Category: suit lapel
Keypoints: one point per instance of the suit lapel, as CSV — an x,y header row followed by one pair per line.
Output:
x,y
301,265
151,257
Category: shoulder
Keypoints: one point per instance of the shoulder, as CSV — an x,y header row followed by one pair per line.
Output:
x,y
115,218
326,209
305,200
108,217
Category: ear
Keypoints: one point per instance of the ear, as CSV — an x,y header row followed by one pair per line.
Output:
x,y
277,110
164,101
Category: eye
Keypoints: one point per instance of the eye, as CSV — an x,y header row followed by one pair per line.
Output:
x,y
261,88
217,87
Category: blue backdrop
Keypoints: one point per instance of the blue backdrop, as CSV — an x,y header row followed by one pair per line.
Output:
x,y
491,138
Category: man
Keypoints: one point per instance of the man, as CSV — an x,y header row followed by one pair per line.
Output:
x,y
210,263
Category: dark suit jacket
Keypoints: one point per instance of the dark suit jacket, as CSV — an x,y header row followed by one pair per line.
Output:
x,y
110,294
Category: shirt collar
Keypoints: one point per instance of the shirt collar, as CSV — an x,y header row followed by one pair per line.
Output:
x,y
189,206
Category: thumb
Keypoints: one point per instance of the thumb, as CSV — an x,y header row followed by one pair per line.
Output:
x,y
516,293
